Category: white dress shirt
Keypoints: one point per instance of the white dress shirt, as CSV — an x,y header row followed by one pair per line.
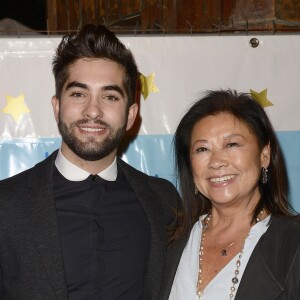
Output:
x,y
74,173
185,281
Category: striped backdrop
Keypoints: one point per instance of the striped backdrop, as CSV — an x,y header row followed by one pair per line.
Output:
x,y
177,69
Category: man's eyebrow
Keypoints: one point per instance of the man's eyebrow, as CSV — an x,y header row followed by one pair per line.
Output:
x,y
114,88
76,84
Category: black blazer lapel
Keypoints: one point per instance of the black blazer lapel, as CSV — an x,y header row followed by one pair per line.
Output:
x,y
43,214
173,258
258,281
154,213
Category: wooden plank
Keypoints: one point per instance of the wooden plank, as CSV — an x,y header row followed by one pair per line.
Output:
x,y
169,16
62,8
151,15
130,7
288,10
199,16
253,15
52,16
227,8
254,10
189,15
88,12
74,15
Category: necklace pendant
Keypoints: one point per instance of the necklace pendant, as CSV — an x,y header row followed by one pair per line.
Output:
x,y
224,252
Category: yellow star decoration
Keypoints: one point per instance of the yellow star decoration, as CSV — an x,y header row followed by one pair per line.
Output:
x,y
147,85
15,106
261,97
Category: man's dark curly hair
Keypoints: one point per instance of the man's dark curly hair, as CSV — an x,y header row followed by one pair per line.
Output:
x,y
94,41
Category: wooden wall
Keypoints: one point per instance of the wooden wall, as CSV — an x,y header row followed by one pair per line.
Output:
x,y
169,16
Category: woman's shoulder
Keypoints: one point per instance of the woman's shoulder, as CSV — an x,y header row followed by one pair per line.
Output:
x,y
280,245
286,222
284,230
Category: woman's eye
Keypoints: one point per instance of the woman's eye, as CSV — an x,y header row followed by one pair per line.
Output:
x,y
229,145
201,149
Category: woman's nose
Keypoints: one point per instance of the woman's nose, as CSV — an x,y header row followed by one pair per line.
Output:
x,y
218,160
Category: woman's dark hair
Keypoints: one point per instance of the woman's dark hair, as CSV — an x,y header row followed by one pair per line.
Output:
x,y
245,109
94,41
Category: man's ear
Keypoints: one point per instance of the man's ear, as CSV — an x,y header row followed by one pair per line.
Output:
x,y
55,106
132,113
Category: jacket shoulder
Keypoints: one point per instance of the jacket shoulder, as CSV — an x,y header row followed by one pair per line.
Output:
x,y
158,190
281,242
283,225
152,180
283,233
26,178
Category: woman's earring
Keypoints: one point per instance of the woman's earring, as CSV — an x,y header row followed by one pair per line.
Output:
x,y
264,177
195,191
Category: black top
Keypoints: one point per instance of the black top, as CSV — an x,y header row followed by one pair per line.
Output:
x,y
105,238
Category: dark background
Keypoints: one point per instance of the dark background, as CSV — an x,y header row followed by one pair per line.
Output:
x,y
31,13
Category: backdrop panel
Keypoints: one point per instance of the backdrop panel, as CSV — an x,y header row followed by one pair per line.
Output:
x,y
179,69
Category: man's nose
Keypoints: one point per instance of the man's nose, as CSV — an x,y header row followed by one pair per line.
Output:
x,y
93,109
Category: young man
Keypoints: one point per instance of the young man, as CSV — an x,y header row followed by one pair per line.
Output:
x,y
83,224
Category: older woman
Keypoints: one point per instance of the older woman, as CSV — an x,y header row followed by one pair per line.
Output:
x,y
236,238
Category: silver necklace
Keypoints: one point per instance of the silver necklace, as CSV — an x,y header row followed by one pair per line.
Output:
x,y
234,280
201,253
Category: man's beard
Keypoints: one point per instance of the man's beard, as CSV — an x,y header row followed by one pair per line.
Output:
x,y
90,150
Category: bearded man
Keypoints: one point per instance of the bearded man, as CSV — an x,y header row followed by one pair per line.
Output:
x,y
83,224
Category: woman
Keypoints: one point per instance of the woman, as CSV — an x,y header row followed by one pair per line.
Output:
x,y
236,238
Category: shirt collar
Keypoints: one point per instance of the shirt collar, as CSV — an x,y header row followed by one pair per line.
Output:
x,y
74,173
